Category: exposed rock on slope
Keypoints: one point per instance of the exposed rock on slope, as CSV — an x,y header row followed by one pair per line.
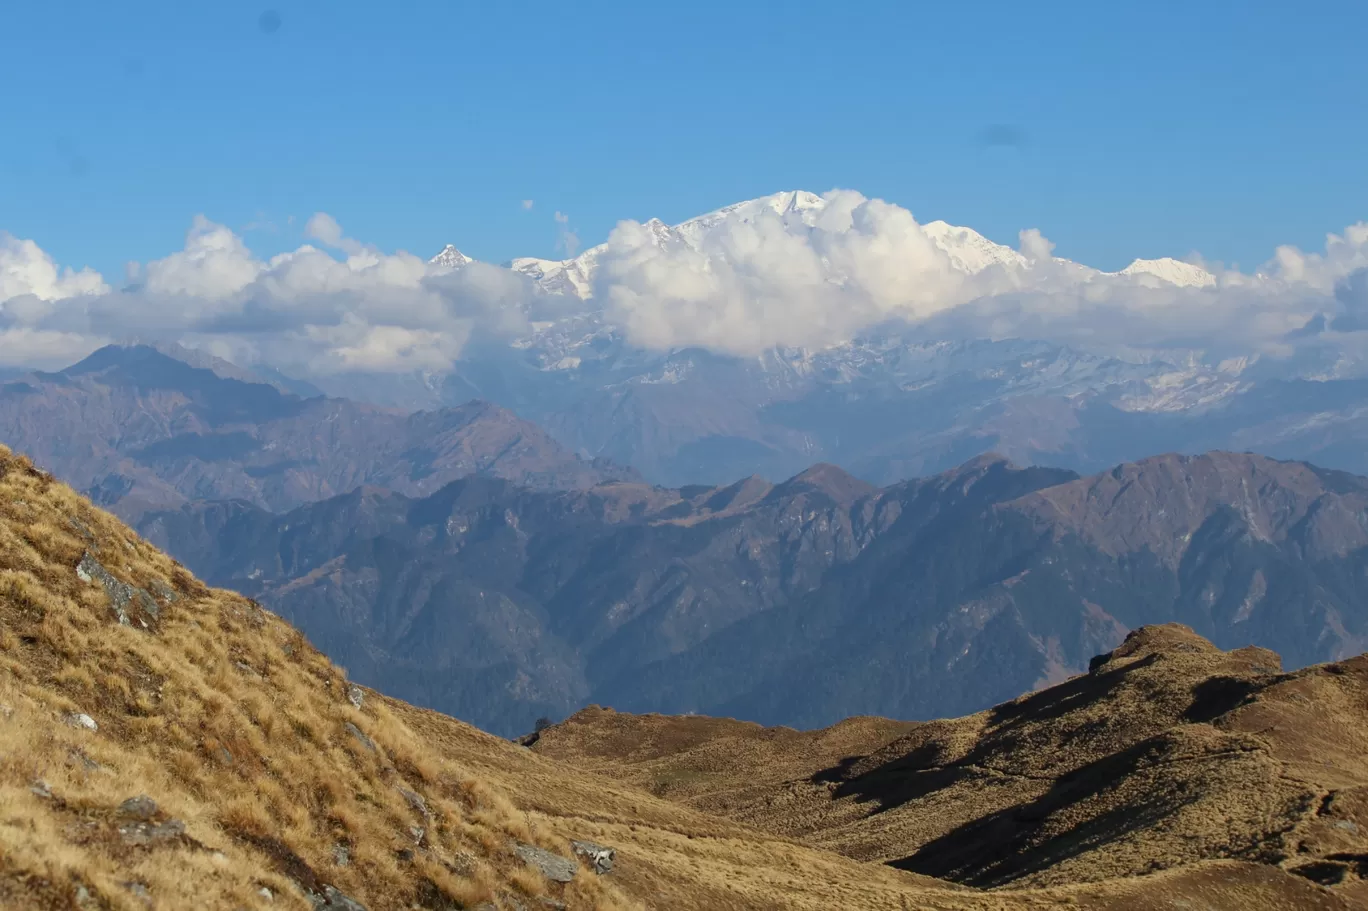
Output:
x,y
138,429
1167,753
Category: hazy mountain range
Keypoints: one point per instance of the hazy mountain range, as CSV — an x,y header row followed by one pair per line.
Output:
x,y
136,427
897,400
464,559
799,603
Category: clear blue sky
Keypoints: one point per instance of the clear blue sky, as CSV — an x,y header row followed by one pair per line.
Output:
x,y
1131,128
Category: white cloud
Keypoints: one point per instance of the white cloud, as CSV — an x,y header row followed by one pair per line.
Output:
x,y
303,310
214,263
527,205
567,241
323,228
26,270
753,279
737,283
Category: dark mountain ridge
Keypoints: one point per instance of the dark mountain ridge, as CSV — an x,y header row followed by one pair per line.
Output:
x,y
799,603
138,428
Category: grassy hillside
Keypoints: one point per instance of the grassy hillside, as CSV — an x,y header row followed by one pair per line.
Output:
x,y
165,745
1167,754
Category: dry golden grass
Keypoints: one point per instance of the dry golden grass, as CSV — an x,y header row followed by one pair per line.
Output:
x,y
233,724
1172,753
245,735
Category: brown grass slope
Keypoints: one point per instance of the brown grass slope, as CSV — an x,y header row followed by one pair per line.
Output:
x,y
122,676
1167,754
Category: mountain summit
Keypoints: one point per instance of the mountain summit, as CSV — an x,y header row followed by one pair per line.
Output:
x,y
968,251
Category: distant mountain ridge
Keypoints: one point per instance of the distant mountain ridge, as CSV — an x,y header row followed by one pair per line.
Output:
x,y
798,603
895,400
968,250
140,427
169,745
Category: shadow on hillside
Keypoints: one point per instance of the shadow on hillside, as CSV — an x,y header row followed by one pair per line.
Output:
x,y
1017,841
920,772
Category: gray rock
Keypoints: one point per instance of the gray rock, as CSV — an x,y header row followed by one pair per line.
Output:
x,y
1347,825
142,834
598,856
355,696
552,866
81,720
416,801
121,594
341,855
360,736
87,763
140,890
41,788
141,807
266,894
334,900
84,900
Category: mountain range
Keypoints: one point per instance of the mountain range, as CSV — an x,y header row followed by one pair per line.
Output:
x,y
798,603
463,559
172,745
893,401
137,427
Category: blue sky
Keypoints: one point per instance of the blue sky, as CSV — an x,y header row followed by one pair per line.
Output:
x,y
1119,130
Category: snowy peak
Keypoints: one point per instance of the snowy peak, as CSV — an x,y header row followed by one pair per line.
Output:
x,y
1173,271
450,258
969,250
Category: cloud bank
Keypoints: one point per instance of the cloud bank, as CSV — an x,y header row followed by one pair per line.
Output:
x,y
814,278
739,281
304,310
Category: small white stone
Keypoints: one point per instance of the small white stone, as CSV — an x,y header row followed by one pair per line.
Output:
x,y
82,720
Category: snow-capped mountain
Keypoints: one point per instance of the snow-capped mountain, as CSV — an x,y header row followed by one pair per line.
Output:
x,y
450,258
967,250
896,400
1173,271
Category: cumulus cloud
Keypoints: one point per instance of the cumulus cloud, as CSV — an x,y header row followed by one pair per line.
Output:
x,y
527,205
26,270
323,228
822,273
774,273
567,241
749,284
303,310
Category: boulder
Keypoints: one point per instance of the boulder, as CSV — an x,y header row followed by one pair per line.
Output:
x,y
599,857
416,801
142,834
141,808
360,736
552,866
334,900
126,600
81,720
